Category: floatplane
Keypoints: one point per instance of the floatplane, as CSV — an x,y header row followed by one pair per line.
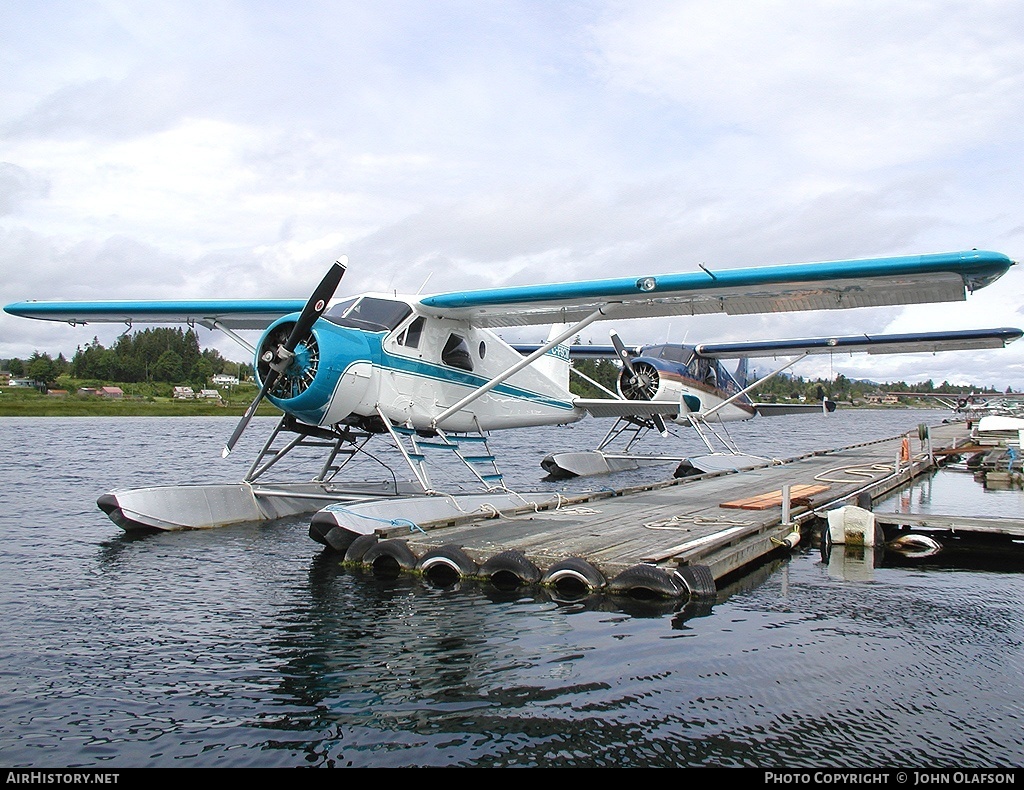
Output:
x,y
710,396
430,374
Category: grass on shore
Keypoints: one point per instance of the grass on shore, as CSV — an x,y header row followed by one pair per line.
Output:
x,y
22,402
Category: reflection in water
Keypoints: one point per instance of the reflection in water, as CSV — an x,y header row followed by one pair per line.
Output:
x,y
249,646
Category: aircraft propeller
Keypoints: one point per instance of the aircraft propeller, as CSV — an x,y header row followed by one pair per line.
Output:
x,y
640,383
279,359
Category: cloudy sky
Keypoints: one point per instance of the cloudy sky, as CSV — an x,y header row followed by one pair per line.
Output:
x,y
235,148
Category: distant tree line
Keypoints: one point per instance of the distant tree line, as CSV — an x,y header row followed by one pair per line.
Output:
x,y
162,355
173,355
784,387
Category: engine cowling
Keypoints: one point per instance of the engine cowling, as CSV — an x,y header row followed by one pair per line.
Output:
x,y
649,380
328,377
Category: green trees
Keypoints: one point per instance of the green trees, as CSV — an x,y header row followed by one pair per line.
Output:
x,y
162,354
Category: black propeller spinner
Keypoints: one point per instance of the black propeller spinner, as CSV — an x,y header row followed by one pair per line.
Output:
x,y
642,381
280,358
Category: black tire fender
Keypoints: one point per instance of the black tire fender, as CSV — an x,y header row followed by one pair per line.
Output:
x,y
646,581
573,573
509,569
445,563
357,548
389,557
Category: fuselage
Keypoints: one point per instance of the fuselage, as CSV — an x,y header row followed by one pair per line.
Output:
x,y
676,373
375,355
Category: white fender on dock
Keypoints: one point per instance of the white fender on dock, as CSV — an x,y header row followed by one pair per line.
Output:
x,y
854,526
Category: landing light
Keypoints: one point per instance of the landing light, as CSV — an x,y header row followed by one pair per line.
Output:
x,y
646,283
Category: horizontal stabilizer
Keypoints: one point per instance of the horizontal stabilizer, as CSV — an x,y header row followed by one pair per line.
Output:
x,y
780,409
610,407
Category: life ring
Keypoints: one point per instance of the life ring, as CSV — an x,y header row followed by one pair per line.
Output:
x,y
357,548
646,581
573,575
446,564
509,570
389,557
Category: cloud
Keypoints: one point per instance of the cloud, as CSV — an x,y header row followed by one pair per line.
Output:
x,y
236,149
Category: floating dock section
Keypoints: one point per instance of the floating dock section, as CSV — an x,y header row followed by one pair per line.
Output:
x,y
676,538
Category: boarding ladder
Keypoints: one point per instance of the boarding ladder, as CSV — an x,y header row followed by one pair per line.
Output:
x,y
471,450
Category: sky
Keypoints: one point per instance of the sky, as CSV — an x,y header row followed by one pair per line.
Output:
x,y
235,148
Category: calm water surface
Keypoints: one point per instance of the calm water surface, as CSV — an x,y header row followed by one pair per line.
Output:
x,y
249,647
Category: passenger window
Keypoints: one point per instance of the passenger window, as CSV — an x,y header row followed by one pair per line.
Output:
x,y
456,353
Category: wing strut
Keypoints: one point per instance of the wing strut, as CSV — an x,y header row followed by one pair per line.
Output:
x,y
525,362
745,390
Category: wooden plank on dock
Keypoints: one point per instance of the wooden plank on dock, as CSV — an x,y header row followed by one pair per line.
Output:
x,y
799,494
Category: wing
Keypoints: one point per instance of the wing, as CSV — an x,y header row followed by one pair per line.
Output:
x,y
940,277
211,313
871,344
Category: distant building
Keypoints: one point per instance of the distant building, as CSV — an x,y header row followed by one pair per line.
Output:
x,y
184,393
209,394
111,392
224,380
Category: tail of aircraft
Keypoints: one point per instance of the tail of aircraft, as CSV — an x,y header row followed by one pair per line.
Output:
x,y
742,374
555,363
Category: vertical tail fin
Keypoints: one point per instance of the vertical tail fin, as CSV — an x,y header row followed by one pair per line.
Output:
x,y
555,363
742,374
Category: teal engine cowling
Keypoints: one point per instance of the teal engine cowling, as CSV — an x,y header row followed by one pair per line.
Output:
x,y
327,379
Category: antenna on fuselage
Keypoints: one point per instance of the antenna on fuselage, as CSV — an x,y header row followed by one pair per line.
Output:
x,y
424,284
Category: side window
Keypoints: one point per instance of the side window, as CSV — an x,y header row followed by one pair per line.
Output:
x,y
456,353
411,336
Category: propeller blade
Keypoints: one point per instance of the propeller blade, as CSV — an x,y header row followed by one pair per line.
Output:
x,y
249,412
317,303
311,311
620,349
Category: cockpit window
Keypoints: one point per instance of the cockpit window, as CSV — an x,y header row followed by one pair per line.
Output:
x,y
411,336
368,312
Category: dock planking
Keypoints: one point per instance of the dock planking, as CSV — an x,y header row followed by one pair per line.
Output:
x,y
692,523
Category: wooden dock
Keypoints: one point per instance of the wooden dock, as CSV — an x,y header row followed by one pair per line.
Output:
x,y
686,534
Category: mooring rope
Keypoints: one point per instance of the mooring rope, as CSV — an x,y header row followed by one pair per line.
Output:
x,y
695,519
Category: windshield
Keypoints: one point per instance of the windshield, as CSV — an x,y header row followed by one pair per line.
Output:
x,y
368,312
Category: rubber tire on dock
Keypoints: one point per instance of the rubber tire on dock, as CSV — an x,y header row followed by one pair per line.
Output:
x,y
697,579
446,564
572,574
388,558
358,547
647,581
510,569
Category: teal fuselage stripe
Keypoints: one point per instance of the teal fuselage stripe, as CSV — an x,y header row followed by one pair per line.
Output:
x,y
443,373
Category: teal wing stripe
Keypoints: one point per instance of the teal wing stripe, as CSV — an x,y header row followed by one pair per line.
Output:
x,y
259,311
978,268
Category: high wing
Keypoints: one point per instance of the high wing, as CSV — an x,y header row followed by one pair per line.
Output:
x,y
211,313
939,277
916,279
872,344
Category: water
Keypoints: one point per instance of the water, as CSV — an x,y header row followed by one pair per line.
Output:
x,y
249,647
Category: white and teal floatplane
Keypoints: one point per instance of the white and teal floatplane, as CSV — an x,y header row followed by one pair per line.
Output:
x,y
430,372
